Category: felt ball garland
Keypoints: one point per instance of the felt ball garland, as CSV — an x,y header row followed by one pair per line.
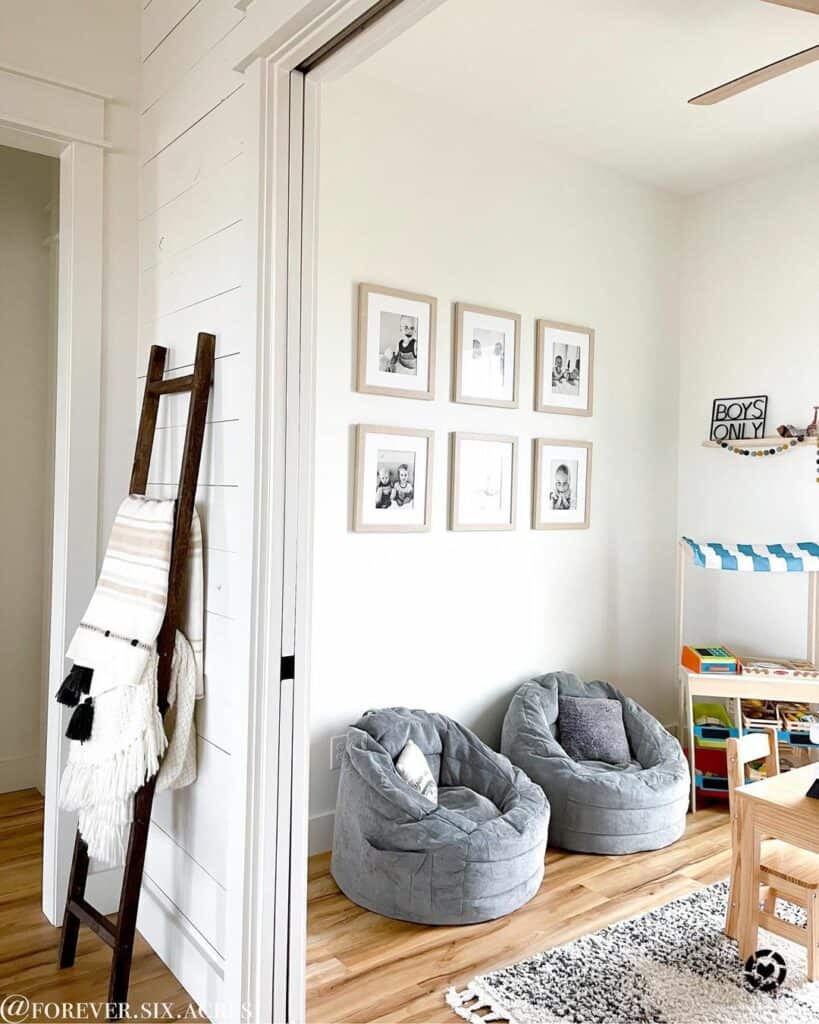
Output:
x,y
787,444
777,449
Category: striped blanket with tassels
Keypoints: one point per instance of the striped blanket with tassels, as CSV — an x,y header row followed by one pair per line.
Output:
x,y
800,557
118,733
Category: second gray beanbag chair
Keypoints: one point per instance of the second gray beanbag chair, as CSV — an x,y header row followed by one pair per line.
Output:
x,y
597,807
475,855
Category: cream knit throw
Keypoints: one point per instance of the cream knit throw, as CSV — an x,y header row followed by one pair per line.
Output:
x,y
117,639
126,745
117,634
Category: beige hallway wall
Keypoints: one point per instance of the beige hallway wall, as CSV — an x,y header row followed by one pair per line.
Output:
x,y
27,182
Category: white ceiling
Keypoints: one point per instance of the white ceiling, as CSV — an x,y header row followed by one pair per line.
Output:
x,y
608,80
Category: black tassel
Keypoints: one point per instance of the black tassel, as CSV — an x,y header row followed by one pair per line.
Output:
x,y
79,727
75,684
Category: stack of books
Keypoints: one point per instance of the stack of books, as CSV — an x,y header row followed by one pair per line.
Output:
x,y
709,660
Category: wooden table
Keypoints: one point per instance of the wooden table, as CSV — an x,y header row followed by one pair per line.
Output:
x,y
775,808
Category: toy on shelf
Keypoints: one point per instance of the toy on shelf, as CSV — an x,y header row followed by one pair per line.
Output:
x,y
760,714
811,430
709,659
781,668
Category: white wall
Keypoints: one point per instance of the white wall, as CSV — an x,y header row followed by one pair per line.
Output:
x,y
94,45
193,191
26,294
454,622
749,315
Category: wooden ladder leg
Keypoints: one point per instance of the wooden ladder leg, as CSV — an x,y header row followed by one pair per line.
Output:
x,y
129,900
76,890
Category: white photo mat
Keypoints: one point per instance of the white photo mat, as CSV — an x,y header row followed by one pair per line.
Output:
x,y
561,385
483,484
561,493
380,313
392,488
487,356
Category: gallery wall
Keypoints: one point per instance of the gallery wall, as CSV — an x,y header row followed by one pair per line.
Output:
x,y
434,201
749,315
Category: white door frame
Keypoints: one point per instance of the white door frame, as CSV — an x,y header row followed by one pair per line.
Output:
x,y
272,941
66,121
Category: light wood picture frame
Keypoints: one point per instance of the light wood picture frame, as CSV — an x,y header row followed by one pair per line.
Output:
x,y
483,484
561,484
493,338
392,484
396,342
564,368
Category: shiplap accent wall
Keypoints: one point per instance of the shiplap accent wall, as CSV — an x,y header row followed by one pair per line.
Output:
x,y
192,190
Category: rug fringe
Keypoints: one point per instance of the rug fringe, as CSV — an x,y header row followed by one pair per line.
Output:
x,y
479,999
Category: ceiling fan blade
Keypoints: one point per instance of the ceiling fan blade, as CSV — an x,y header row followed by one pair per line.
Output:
x,y
737,85
811,6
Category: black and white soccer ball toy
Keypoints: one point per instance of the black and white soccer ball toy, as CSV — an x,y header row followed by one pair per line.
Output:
x,y
765,971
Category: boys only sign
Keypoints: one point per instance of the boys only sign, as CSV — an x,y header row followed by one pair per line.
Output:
x,y
739,419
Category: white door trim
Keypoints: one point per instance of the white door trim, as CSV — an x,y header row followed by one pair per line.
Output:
x,y
48,117
268,973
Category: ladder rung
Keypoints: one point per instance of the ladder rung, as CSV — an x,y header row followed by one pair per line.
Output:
x,y
172,386
94,920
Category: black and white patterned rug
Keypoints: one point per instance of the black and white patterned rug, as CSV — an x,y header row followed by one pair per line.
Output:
x,y
672,965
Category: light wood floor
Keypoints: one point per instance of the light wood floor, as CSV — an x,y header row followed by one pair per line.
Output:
x,y
28,943
362,967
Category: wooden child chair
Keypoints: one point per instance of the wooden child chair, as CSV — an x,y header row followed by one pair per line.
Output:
x,y
786,871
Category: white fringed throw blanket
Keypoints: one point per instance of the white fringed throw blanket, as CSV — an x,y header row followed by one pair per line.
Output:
x,y
117,640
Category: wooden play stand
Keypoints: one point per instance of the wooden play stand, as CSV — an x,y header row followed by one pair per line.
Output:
x,y
736,688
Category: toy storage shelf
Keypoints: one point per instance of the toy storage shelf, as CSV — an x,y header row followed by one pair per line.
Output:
x,y
734,688
737,688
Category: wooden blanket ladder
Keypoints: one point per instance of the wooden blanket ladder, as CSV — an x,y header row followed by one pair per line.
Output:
x,y
119,935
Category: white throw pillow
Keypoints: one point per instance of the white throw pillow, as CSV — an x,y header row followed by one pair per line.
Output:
x,y
413,768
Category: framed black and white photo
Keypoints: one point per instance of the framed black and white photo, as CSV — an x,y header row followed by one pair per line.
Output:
x,y
393,480
483,482
486,366
561,493
564,371
396,342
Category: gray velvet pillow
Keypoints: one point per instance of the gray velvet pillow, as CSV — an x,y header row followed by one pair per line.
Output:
x,y
591,729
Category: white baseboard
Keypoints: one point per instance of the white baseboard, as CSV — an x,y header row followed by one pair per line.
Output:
x,y
20,773
199,969
320,833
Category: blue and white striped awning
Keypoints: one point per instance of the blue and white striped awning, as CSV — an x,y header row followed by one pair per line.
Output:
x,y
801,557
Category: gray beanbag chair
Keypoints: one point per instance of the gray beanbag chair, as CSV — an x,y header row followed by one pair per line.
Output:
x,y
598,807
475,855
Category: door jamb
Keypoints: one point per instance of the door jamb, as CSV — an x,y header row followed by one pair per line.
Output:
x,y
272,832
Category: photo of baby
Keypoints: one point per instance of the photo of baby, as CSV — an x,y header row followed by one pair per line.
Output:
x,y
395,484
566,369
398,343
561,496
563,492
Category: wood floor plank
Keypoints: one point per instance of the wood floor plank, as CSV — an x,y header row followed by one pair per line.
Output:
x,y
28,943
368,968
